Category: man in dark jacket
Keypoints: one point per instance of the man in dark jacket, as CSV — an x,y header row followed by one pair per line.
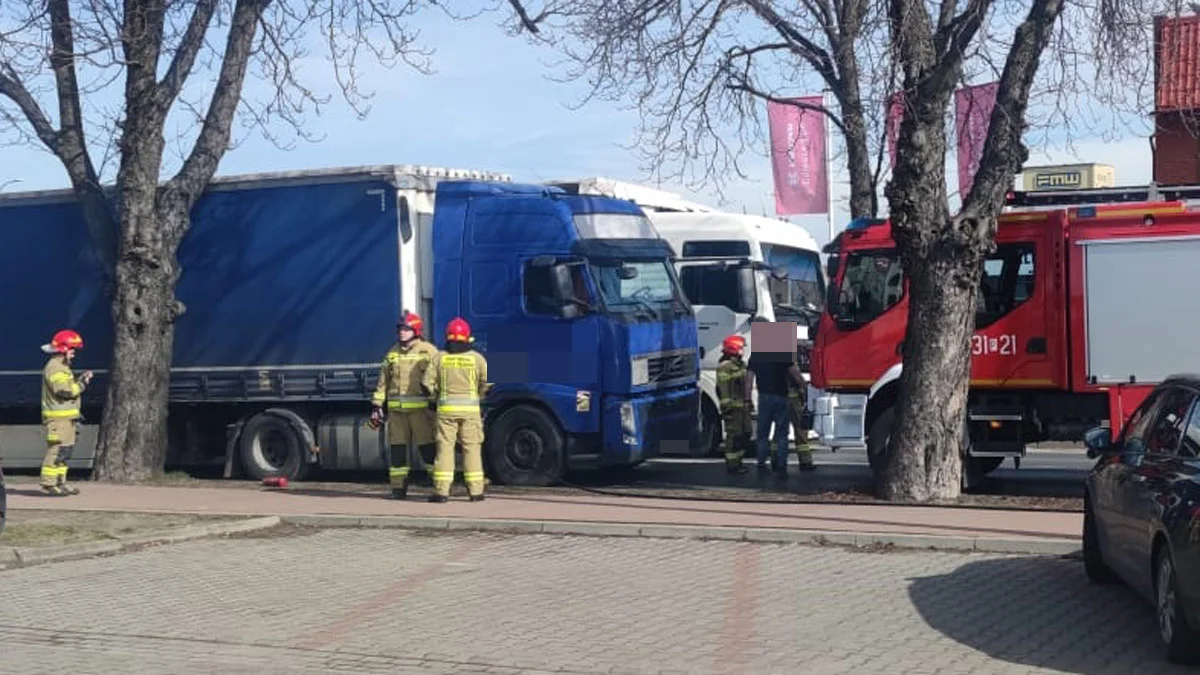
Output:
x,y
771,371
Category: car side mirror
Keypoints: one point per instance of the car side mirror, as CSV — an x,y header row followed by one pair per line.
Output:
x,y
1098,441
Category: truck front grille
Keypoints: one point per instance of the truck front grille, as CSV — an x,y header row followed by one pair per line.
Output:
x,y
672,366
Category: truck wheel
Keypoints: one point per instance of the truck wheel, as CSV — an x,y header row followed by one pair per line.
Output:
x,y
526,447
710,430
877,441
272,445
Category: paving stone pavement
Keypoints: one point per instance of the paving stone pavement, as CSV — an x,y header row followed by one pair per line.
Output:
x,y
408,602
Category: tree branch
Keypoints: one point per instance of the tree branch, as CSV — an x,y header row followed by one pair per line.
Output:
x,y
750,89
12,88
185,55
530,23
817,57
214,135
1004,152
953,37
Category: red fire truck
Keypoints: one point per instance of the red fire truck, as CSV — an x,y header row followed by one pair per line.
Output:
x,y
1088,300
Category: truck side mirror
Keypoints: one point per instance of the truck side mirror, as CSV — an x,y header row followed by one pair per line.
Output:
x,y
747,291
560,282
405,220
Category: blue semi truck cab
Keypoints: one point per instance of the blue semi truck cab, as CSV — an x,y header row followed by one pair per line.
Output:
x,y
293,283
591,344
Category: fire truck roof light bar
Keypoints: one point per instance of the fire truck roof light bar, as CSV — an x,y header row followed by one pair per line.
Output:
x,y
1098,196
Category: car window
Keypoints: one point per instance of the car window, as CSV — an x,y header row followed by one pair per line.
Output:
x,y
1169,422
1134,435
1189,445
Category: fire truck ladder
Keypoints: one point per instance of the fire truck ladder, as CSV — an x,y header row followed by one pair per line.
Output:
x,y
1050,199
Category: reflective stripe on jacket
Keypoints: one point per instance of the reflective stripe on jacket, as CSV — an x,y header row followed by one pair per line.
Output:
x,y
400,376
458,381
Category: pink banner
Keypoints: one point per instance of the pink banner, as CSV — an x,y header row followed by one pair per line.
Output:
x,y
894,116
798,149
972,117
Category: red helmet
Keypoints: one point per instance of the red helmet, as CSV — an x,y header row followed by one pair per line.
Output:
x,y
733,345
458,330
412,322
64,340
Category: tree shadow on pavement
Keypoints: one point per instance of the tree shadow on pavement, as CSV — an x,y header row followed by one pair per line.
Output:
x,y
1043,612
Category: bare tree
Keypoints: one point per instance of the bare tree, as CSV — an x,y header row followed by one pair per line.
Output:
x,y
699,71
55,55
943,252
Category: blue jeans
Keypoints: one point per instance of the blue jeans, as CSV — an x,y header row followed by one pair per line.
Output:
x,y
772,409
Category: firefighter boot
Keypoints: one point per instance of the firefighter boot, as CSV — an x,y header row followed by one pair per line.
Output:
x,y
438,499
734,465
64,453
805,455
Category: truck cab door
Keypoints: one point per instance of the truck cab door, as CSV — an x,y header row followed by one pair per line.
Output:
x,y
712,288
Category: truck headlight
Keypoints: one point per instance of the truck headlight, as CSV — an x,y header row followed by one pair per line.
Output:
x,y
639,372
628,423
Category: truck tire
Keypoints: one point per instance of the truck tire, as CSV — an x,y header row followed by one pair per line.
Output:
x,y
273,444
877,441
525,446
709,444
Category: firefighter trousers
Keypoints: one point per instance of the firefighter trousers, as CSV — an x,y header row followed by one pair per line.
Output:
x,y
796,409
404,428
467,432
737,435
60,442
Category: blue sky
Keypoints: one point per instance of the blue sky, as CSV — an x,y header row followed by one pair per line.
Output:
x,y
491,105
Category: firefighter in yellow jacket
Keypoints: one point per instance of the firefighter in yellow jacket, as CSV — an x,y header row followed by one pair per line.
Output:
x,y
797,406
735,403
61,392
409,419
457,380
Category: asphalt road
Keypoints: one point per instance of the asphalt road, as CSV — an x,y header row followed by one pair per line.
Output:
x,y
1044,472
388,601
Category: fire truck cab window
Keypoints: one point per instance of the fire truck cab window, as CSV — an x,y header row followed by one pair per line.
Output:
x,y
1006,283
872,284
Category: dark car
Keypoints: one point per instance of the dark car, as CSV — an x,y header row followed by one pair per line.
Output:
x,y
1141,521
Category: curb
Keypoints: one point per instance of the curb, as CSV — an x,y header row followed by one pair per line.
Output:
x,y
13,557
1031,546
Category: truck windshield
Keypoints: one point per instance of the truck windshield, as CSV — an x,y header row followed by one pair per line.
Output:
x,y
650,289
802,285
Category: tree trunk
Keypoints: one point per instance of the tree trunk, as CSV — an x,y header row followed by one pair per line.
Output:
x,y
133,437
864,203
924,454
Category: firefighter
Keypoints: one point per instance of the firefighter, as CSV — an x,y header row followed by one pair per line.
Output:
x,y
409,418
457,381
797,403
61,391
735,403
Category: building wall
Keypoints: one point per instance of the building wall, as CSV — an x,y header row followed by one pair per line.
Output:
x,y
1177,148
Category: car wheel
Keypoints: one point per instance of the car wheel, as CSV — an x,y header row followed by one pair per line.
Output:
x,y
1180,639
1093,558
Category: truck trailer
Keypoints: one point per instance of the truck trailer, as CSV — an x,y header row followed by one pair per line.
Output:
x,y
292,285
735,269
1070,326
